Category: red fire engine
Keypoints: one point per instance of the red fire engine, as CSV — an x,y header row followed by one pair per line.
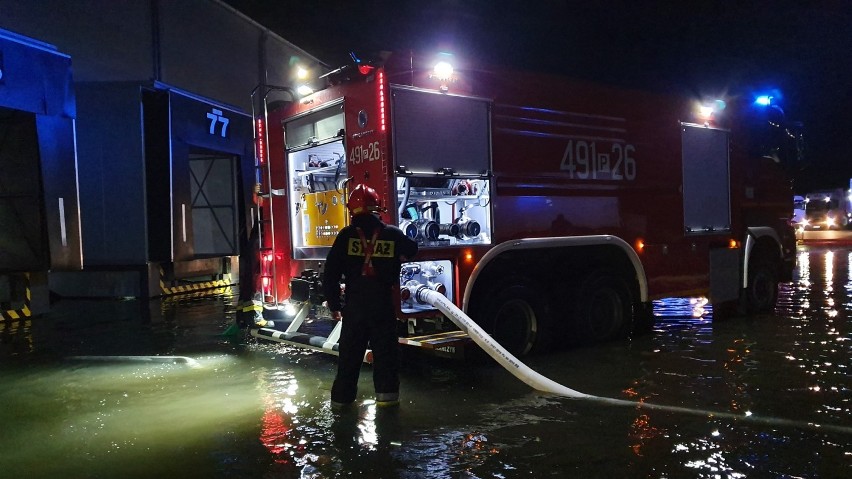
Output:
x,y
549,210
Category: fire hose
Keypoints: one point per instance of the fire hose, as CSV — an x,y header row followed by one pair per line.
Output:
x,y
544,384
499,353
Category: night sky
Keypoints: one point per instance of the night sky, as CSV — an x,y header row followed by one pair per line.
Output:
x,y
803,49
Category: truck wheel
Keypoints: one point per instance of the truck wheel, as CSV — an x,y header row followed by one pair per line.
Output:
x,y
643,319
517,318
762,290
604,308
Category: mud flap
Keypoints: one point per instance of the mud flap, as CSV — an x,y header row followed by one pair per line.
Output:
x,y
725,275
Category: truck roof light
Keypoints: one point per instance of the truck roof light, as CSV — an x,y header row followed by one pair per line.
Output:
x,y
707,110
363,68
763,100
443,70
301,73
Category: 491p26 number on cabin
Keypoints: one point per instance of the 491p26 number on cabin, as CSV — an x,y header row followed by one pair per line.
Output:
x,y
583,160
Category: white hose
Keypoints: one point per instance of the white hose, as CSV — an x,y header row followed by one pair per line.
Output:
x,y
499,353
541,383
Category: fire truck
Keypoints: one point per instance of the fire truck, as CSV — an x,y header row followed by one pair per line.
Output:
x,y
551,211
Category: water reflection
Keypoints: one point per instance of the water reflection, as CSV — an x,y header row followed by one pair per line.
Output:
x,y
16,336
262,410
94,416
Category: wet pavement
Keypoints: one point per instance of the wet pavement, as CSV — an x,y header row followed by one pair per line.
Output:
x,y
761,397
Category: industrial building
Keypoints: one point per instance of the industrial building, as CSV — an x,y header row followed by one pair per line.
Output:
x,y
159,160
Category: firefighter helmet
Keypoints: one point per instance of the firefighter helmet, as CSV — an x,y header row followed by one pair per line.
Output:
x,y
363,200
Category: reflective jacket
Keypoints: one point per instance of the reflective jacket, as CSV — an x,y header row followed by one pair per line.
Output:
x,y
366,256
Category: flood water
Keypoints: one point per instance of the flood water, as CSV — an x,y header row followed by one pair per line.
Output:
x,y
765,397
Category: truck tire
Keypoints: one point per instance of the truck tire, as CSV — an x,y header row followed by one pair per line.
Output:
x,y
643,319
517,316
603,308
762,290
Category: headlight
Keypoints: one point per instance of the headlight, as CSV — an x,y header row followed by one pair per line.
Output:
x,y
830,221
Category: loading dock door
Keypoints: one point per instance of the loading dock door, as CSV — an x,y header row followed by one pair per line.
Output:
x,y
214,207
197,154
22,238
39,207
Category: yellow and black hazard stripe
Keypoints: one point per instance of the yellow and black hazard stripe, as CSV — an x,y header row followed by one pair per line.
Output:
x,y
199,294
199,288
18,328
24,311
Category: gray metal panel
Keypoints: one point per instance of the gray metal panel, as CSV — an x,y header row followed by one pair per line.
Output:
x,y
59,180
433,131
34,77
208,50
724,275
109,41
214,206
706,189
112,174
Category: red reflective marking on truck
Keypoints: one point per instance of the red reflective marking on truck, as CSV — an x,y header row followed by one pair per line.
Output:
x,y
381,101
261,155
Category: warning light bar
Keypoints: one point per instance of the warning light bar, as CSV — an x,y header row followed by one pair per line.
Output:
x,y
261,146
381,82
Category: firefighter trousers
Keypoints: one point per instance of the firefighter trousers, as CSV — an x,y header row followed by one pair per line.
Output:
x,y
367,324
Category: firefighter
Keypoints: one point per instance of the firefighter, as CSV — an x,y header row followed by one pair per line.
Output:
x,y
366,257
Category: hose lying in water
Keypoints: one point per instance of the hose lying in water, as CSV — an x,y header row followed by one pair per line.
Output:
x,y
139,359
541,383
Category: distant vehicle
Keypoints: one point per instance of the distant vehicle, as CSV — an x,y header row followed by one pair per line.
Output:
x,y
826,209
798,211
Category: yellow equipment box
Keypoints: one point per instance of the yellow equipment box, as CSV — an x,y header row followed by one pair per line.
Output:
x,y
323,215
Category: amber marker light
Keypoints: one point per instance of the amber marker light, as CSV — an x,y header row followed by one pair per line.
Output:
x,y
468,256
733,244
639,245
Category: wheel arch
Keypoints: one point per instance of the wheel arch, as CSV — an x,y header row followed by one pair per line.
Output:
x,y
759,241
528,253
